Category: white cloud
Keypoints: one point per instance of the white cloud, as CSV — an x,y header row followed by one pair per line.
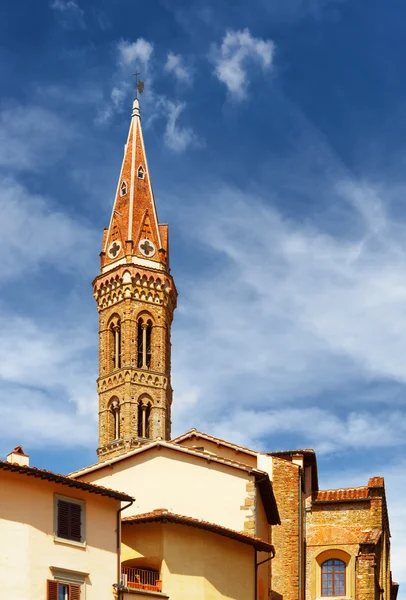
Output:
x,y
177,138
175,64
293,313
131,53
47,386
68,8
130,56
157,106
34,235
237,50
32,137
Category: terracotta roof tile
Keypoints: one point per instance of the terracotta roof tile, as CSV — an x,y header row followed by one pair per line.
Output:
x,y
163,515
344,494
376,482
212,438
63,479
371,536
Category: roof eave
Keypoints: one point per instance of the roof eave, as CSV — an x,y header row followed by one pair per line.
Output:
x,y
63,480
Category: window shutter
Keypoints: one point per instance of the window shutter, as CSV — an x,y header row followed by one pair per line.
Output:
x,y
63,519
74,592
52,590
75,522
69,521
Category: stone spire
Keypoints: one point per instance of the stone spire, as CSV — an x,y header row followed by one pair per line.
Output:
x,y
136,297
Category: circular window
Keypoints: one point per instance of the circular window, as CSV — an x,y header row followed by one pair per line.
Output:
x,y
147,248
114,249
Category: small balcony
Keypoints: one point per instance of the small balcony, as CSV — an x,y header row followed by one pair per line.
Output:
x,y
141,579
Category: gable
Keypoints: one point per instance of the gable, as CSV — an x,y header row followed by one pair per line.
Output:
x,y
181,482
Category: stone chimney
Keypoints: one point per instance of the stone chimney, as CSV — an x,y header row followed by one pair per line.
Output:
x,y
18,456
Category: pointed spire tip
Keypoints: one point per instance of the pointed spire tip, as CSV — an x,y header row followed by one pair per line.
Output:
x,y
136,108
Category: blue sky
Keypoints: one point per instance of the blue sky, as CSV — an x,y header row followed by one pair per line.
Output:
x,y
275,137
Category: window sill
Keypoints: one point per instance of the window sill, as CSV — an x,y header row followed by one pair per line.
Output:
x,y
334,598
65,542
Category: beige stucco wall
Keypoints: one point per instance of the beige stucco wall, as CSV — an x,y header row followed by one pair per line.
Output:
x,y
184,484
27,547
216,567
222,451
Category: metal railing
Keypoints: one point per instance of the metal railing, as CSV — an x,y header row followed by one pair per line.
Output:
x,y
141,579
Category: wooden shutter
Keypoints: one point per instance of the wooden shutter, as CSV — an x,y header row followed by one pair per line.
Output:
x,y
69,521
52,590
75,522
63,519
74,592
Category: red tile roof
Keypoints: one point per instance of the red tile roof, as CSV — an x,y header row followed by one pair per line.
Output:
x,y
345,494
371,536
162,515
55,477
376,482
205,436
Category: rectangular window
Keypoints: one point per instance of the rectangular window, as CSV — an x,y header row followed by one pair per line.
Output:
x,y
62,591
69,520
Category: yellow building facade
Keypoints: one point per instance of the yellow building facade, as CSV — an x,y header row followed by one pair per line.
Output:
x,y
58,537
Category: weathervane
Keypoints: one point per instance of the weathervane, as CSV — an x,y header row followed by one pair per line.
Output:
x,y
139,85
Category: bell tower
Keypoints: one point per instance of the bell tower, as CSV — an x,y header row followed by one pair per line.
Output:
x,y
136,298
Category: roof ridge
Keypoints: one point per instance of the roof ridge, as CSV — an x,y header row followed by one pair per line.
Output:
x,y
172,446
198,433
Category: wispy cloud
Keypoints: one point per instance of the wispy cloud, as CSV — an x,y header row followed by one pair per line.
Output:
x,y
297,312
32,137
176,137
140,54
49,384
33,235
130,56
69,11
132,53
238,49
175,64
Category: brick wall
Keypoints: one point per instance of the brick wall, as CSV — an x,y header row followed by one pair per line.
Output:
x,y
285,537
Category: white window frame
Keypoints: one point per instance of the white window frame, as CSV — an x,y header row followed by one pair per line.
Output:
x,y
60,540
67,576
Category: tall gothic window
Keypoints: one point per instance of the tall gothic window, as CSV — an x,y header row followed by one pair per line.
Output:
x,y
144,344
333,578
115,412
115,336
144,417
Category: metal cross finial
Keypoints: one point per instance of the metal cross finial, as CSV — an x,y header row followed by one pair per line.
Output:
x,y
139,85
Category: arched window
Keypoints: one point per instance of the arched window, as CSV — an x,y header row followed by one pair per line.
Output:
x,y
144,344
141,172
115,336
144,415
148,350
123,188
333,578
115,411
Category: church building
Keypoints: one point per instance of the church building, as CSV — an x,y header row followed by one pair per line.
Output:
x,y
200,517
321,543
